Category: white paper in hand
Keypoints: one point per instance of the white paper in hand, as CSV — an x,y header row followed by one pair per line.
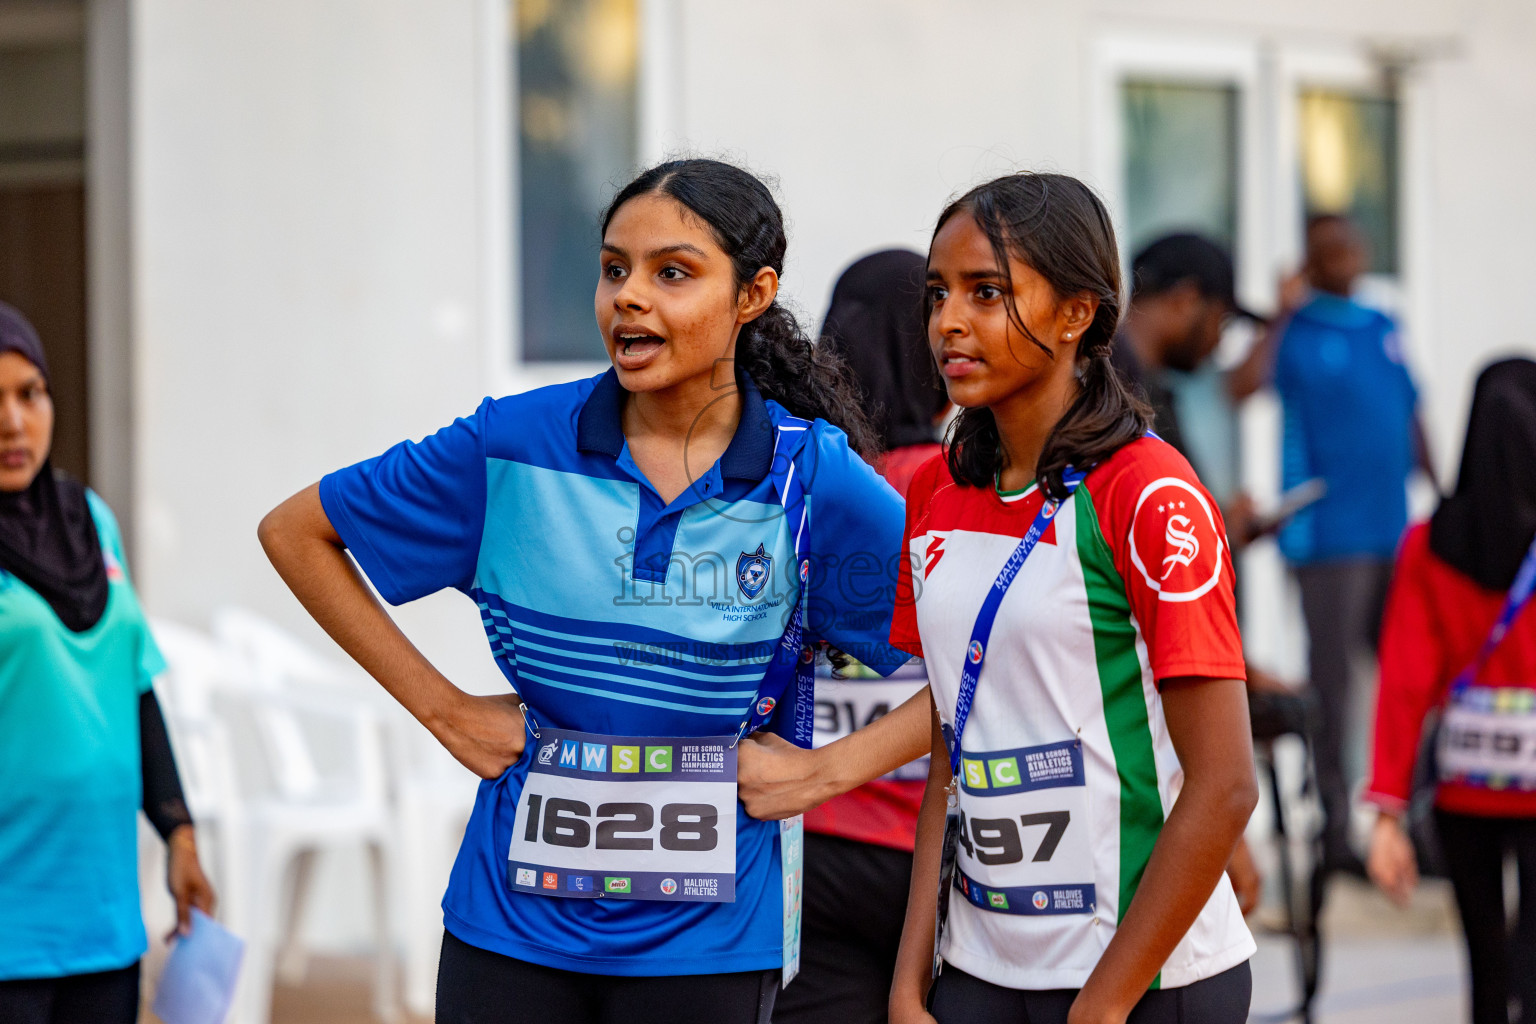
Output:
x,y
198,983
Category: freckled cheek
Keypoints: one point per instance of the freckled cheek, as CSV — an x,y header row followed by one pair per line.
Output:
x,y
701,332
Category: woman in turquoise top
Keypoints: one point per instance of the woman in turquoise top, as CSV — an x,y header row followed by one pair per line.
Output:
x,y
82,741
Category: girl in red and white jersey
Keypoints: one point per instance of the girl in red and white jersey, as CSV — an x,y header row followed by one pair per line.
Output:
x,y
1070,589
1457,636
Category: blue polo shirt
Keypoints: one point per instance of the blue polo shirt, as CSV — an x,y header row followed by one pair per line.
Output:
x,y
611,611
1348,405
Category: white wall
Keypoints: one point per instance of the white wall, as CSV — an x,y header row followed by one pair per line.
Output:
x,y
307,255
1481,260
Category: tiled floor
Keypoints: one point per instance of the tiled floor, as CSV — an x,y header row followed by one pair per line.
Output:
x,y
1381,966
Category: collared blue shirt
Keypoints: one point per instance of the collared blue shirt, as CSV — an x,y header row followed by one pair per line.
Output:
x,y
1348,405
612,611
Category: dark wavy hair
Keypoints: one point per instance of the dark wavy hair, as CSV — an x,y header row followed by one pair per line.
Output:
x,y
1056,225
773,349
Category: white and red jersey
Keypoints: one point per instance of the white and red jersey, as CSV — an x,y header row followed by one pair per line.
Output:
x,y
1068,772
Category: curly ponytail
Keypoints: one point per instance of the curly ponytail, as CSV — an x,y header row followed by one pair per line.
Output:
x,y
773,349
1059,227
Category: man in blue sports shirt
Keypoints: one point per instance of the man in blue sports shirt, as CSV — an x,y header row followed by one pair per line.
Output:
x,y
1350,419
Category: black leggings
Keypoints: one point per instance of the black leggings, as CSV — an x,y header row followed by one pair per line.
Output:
x,y
959,998
1503,962
855,904
109,997
476,986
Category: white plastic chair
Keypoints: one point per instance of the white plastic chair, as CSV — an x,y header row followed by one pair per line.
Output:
x,y
432,793
197,669
289,808
204,763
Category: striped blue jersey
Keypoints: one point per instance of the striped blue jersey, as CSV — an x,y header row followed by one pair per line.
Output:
x,y
611,611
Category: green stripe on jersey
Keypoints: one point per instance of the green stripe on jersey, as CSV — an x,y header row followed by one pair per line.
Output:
x,y
1125,705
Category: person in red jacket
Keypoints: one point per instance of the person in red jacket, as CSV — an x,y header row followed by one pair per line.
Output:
x,y
1459,634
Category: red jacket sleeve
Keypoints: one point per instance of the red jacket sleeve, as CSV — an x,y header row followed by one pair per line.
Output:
x,y
1413,674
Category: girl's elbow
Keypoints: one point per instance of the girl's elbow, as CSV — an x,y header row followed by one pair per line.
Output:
x,y
1242,798
280,528
270,531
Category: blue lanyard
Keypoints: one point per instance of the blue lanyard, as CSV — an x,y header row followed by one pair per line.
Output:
x,y
789,663
1519,594
976,650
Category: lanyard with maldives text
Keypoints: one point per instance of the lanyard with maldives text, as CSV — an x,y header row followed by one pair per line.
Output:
x,y
981,633
1519,595
789,663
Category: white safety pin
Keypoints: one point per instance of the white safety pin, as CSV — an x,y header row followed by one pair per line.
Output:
x,y
529,722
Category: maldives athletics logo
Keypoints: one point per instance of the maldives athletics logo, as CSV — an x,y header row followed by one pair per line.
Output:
x,y
1175,530
974,652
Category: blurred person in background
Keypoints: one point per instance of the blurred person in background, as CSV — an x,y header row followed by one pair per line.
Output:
x,y
858,847
82,741
1459,635
1182,296
1350,420
874,324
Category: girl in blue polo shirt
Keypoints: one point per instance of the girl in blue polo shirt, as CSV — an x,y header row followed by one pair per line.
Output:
x,y
648,550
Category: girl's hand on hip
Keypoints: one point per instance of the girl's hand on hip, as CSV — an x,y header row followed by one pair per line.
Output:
x,y
484,734
1391,862
776,779
184,877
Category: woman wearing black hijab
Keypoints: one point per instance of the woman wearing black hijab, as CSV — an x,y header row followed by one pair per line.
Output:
x,y
1459,634
82,742
858,846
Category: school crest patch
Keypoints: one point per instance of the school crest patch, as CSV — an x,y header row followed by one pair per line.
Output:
x,y
752,570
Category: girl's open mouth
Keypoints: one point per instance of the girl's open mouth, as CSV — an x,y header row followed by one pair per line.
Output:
x,y
636,347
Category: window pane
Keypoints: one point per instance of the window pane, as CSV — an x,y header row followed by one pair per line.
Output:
x,y
576,139
1180,161
1349,165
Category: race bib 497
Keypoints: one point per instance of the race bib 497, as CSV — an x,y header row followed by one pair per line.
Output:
x,y
627,817
1023,840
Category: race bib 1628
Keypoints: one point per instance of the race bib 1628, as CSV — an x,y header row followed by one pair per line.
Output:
x,y
632,817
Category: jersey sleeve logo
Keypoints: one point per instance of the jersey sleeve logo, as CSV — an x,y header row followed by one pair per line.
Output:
x,y
928,548
1184,542
1174,529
